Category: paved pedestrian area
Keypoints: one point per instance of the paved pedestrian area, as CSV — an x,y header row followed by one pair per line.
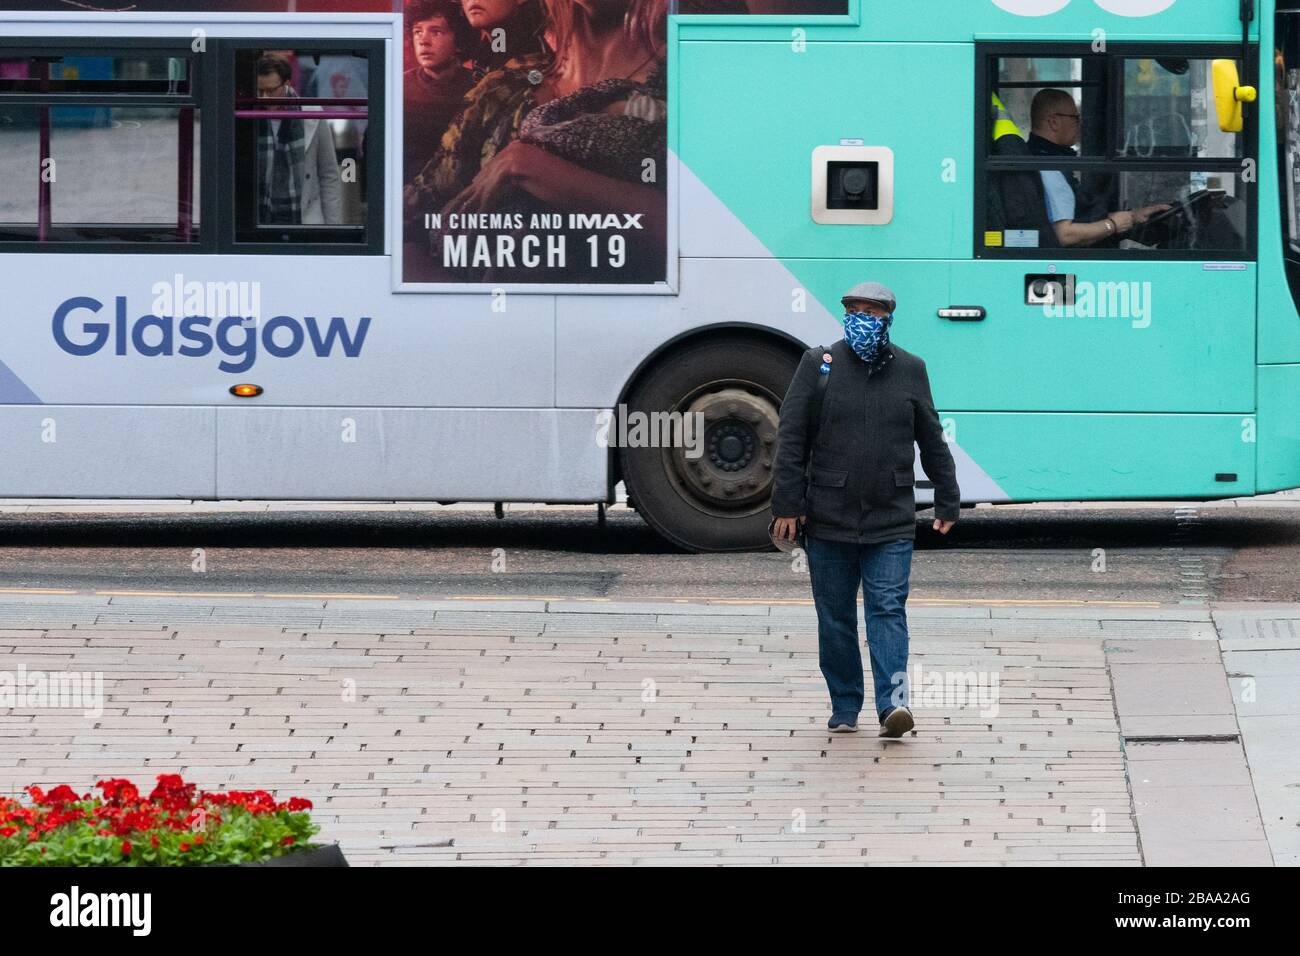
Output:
x,y
545,731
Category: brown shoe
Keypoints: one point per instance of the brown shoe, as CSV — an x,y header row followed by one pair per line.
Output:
x,y
896,723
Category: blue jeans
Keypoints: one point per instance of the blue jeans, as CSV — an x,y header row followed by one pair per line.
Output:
x,y
883,570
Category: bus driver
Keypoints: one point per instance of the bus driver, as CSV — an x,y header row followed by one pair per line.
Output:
x,y
1057,127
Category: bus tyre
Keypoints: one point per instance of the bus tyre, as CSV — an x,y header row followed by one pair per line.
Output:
x,y
701,475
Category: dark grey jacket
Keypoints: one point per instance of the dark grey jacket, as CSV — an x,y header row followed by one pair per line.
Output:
x,y
860,486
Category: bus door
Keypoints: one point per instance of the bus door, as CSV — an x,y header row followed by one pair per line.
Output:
x,y
1113,274
1115,236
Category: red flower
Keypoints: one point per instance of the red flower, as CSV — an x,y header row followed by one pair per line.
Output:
x,y
62,794
8,831
58,818
136,820
173,792
298,803
286,841
25,815
153,838
258,802
185,847
126,847
118,792
57,797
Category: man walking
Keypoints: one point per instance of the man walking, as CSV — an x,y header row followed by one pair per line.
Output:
x,y
848,479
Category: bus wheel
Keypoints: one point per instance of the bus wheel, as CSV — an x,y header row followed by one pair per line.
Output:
x,y
709,488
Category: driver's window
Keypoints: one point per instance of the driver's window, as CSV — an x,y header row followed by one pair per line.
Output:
x,y
1167,111
1054,101
1110,154
1287,111
1205,210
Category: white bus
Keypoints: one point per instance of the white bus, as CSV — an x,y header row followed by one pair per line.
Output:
x,y
375,250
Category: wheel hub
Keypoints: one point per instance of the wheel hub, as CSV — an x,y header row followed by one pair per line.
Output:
x,y
728,464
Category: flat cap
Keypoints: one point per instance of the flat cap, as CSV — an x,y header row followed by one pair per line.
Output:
x,y
873,291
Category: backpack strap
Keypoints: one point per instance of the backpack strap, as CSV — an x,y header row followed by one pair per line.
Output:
x,y
818,399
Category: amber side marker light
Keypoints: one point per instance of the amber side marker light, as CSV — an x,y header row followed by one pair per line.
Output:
x,y
246,391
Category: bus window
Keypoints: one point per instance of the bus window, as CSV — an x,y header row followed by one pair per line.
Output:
x,y
96,72
1205,211
1045,106
1168,111
1289,139
135,151
20,153
301,123
1022,79
98,148
1115,153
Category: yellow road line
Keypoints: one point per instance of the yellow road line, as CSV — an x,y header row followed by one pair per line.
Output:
x,y
807,602
174,593
248,594
338,597
513,597
729,602
1033,602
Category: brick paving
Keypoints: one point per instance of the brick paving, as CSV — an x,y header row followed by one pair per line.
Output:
x,y
640,736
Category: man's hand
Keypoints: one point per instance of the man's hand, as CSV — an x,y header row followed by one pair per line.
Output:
x,y
1146,212
1123,221
787,528
943,527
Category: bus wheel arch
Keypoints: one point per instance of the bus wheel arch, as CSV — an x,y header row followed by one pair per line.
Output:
x,y
725,384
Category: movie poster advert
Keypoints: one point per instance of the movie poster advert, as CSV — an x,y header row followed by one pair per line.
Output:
x,y
536,135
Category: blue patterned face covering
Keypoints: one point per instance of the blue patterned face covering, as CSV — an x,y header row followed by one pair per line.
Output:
x,y
867,334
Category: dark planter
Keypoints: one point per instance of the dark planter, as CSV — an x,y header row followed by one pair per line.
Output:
x,y
329,855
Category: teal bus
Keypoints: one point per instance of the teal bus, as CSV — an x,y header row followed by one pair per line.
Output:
x,y
242,258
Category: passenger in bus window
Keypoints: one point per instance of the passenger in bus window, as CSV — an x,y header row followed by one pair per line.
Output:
x,y
436,84
345,76
1057,128
298,171
508,29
